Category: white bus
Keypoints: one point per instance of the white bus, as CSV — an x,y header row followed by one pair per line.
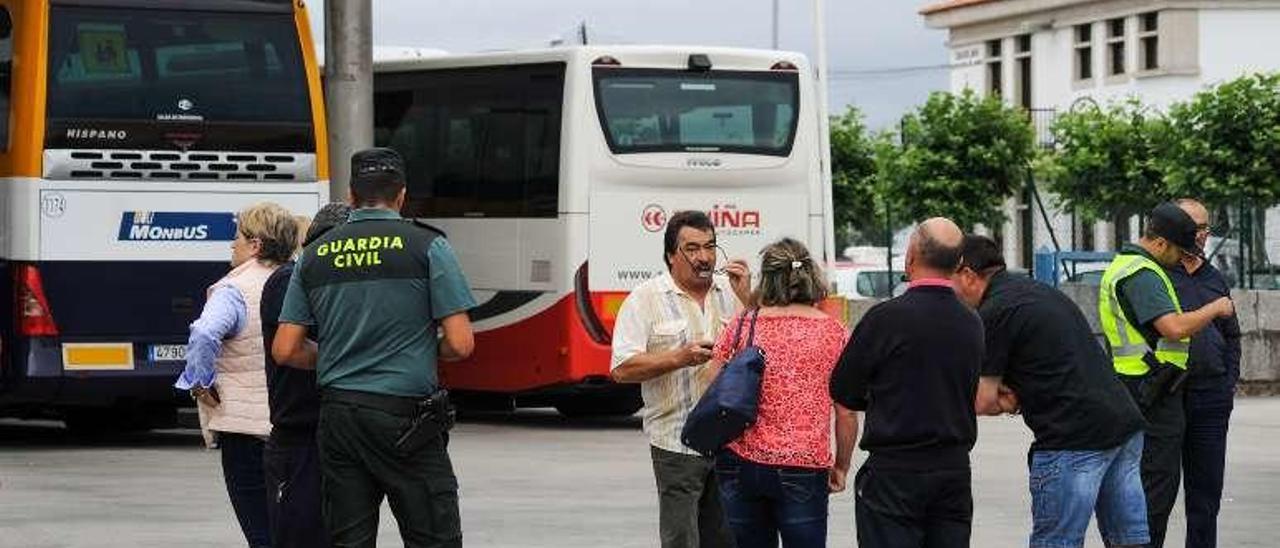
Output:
x,y
131,131
553,173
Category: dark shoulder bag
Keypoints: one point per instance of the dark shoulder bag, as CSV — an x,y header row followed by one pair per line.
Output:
x,y
732,401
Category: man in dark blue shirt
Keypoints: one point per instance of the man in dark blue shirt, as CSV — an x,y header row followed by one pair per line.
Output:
x,y
1213,368
291,458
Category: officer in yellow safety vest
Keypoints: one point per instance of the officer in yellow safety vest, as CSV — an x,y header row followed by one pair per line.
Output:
x,y
1149,335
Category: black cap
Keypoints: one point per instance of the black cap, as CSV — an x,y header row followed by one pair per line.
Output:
x,y
372,161
1170,222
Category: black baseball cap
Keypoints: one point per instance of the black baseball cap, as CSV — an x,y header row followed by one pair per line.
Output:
x,y
374,161
1170,222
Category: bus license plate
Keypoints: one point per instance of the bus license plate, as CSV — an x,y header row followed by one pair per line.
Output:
x,y
168,352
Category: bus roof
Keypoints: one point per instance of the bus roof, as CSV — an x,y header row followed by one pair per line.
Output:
x,y
390,54
665,56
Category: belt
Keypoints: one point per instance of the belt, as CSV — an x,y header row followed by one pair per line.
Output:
x,y
396,405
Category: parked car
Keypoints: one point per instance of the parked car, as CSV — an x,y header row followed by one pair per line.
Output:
x,y
859,282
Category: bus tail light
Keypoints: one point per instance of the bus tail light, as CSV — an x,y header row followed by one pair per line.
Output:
x,y
586,310
784,65
34,316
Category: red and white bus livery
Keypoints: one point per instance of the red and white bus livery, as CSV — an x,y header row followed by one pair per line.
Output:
x,y
553,173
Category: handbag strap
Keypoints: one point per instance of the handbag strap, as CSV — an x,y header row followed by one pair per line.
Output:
x,y
751,335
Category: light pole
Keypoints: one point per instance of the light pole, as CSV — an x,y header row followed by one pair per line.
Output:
x,y
348,83
774,43
824,132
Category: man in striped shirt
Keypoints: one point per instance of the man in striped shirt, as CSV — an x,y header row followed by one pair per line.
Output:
x,y
662,340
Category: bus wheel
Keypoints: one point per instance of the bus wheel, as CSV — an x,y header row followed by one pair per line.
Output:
x,y
611,405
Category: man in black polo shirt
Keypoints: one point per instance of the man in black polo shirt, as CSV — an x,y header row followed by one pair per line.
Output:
x,y
1087,453
912,366
291,458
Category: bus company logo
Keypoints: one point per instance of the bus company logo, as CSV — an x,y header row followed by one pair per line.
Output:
x,y
704,162
177,226
98,134
186,104
732,220
653,218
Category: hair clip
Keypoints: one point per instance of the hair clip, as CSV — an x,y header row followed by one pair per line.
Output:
x,y
796,264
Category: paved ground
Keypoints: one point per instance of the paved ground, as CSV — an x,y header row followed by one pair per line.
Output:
x,y
528,480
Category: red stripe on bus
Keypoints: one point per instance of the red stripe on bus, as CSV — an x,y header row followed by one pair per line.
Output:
x,y
548,349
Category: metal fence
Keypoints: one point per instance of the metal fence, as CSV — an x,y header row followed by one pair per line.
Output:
x,y
1245,246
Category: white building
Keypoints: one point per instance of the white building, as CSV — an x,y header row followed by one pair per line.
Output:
x,y
1046,55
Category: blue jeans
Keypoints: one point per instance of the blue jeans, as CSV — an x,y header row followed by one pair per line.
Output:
x,y
762,502
1067,487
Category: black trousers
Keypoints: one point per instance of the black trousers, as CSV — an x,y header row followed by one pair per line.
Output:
x,y
293,495
246,485
913,509
360,465
1204,454
1161,458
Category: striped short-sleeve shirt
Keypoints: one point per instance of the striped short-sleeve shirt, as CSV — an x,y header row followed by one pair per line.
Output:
x,y
659,316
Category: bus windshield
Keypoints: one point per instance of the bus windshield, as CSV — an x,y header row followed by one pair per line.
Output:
x,y
654,110
175,66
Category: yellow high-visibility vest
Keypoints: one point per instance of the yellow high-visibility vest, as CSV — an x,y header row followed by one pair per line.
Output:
x,y
1125,340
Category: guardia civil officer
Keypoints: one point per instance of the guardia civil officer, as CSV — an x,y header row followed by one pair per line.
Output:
x,y
377,290
1148,335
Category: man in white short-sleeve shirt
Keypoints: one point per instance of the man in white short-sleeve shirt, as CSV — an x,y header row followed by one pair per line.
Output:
x,y
662,340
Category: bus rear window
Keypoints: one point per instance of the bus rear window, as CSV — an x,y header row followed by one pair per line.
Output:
x,y
180,66
477,142
648,110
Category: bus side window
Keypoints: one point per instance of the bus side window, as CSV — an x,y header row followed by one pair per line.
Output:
x,y
6,74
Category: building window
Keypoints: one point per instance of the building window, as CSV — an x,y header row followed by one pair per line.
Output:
x,y
1149,40
1115,46
1022,65
995,69
1084,51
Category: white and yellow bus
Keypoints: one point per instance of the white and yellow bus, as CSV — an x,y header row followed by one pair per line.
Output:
x,y
131,131
553,173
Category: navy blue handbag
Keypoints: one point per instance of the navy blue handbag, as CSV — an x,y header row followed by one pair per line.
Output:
x,y
732,401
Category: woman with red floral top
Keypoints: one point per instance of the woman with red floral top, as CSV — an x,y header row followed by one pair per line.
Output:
x,y
775,479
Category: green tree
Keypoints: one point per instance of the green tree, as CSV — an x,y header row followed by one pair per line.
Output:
x,y
855,193
961,155
1225,151
1108,162
1225,145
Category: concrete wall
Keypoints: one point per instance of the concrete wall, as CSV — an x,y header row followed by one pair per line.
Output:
x,y
1259,313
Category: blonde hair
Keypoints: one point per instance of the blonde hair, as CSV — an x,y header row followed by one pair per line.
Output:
x,y
273,226
789,275
304,224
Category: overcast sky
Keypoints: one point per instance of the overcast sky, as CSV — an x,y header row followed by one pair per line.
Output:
x,y
864,37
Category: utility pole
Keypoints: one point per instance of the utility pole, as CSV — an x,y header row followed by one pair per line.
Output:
x,y
348,71
824,130
774,43
582,32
